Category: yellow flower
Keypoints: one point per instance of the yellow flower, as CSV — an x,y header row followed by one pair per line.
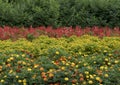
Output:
x,y
106,75
106,67
98,78
116,61
17,55
24,81
90,82
86,72
17,76
57,52
35,66
105,51
2,81
29,69
66,78
10,71
51,75
91,76
23,55
109,63
85,64
106,59
50,70
63,62
5,76
72,64
101,67
87,77
19,81
24,63
34,76
110,54
8,60
84,83
63,68
67,64
76,66
11,58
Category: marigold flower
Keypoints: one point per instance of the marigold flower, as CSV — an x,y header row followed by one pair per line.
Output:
x,y
24,80
81,79
41,68
66,78
90,82
23,55
63,68
51,75
106,59
29,69
57,52
91,76
11,58
24,83
2,81
17,76
8,60
0,67
106,75
17,55
19,81
116,61
98,78
101,67
86,72
45,79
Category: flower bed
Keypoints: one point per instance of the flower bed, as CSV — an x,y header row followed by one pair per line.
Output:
x,y
58,61
31,33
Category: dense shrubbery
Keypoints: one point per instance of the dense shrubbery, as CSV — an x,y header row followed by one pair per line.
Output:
x,y
55,61
60,12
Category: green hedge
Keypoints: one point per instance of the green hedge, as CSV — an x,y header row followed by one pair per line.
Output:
x,y
60,13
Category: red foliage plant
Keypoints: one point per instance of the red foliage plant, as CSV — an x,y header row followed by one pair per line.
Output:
x,y
14,33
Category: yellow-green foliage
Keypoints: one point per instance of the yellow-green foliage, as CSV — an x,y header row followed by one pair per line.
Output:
x,y
73,45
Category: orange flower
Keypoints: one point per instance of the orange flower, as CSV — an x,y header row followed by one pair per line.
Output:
x,y
51,75
43,73
74,81
81,79
45,79
41,68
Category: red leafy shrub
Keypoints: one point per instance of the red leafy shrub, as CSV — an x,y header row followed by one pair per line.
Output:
x,y
14,33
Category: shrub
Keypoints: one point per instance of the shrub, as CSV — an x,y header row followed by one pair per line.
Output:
x,y
60,13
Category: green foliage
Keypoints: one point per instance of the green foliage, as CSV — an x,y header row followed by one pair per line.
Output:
x,y
60,12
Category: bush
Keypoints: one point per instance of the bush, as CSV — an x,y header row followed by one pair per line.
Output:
x,y
60,13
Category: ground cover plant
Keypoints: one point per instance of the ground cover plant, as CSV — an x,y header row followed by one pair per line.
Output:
x,y
83,60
